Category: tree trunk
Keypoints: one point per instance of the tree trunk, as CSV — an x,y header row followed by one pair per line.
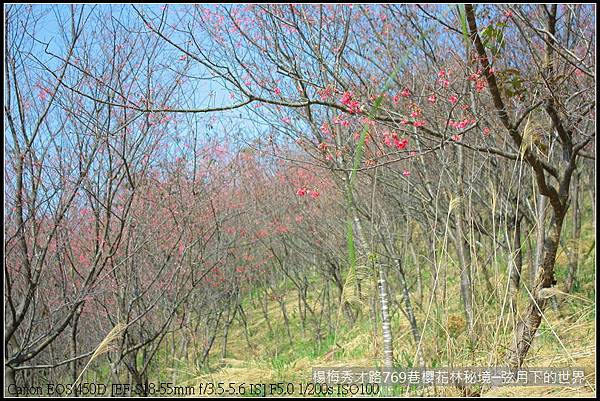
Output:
x,y
286,320
265,310
388,347
226,332
244,320
419,276
541,217
9,379
574,254
462,247
410,313
74,349
532,316
516,263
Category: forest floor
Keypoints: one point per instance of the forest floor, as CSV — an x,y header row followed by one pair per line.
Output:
x,y
266,353
565,339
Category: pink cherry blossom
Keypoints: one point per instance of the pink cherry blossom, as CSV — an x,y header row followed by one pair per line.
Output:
x,y
401,144
352,104
387,139
480,85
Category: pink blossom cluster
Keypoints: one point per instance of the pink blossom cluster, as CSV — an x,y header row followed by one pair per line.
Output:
x,y
461,124
352,104
325,93
302,191
480,82
405,93
340,121
391,139
443,76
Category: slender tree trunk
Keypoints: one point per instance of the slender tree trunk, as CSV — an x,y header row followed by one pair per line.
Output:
x,y
462,247
419,276
244,320
388,347
388,350
286,320
374,317
516,263
212,336
541,217
328,307
74,349
486,273
226,332
350,315
410,313
532,316
360,245
9,378
265,310
530,257
301,312
574,253
465,278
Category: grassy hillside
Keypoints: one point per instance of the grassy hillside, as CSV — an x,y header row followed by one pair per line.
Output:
x,y
264,352
566,338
